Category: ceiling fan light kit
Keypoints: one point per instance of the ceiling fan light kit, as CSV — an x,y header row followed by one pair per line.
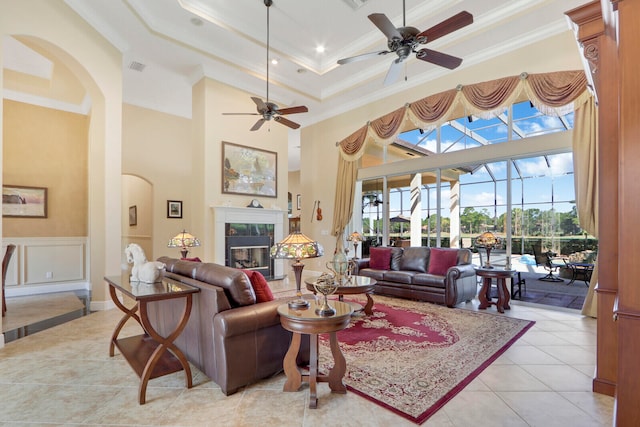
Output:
x,y
269,110
403,41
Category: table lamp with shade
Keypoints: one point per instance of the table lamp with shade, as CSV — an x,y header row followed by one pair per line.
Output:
x,y
488,240
355,238
183,240
297,246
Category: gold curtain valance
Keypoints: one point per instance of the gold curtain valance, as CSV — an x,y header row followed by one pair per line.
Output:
x,y
554,94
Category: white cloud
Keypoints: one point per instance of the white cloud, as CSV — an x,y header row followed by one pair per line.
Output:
x,y
558,164
561,163
481,199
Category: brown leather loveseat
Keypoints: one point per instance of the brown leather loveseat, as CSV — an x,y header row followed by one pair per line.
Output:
x,y
230,337
440,275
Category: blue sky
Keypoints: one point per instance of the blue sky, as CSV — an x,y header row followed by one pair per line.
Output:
x,y
543,176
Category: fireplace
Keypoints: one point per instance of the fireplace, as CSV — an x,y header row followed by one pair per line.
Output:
x,y
243,238
248,246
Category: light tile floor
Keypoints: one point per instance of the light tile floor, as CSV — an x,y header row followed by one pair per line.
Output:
x,y
64,376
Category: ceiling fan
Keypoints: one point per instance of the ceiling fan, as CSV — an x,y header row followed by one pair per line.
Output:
x,y
405,40
269,110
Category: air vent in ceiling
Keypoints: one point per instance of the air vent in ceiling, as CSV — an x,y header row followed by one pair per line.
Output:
x,y
136,66
355,4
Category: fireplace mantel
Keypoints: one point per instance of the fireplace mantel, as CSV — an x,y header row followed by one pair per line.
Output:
x,y
226,214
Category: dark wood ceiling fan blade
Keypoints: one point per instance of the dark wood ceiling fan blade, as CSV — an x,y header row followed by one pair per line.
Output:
x,y
293,110
439,58
383,23
257,125
260,104
286,122
362,57
447,26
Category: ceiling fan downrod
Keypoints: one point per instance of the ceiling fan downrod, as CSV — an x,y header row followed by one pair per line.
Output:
x,y
268,3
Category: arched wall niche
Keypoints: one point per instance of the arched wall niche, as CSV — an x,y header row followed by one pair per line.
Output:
x,y
137,200
97,65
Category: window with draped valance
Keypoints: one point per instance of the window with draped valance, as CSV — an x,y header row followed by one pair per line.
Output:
x,y
554,94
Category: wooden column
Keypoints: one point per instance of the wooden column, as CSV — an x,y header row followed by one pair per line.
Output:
x,y
618,88
597,42
628,308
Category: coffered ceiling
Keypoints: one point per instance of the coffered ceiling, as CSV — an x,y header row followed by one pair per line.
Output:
x,y
178,41
168,45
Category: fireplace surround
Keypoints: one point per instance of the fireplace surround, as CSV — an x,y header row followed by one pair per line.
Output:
x,y
263,219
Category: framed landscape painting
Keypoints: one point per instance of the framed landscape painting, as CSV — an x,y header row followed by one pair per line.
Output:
x,y
247,170
174,209
24,202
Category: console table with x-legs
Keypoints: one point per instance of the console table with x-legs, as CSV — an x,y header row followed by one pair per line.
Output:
x,y
150,355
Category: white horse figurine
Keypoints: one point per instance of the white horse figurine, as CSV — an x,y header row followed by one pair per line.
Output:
x,y
143,270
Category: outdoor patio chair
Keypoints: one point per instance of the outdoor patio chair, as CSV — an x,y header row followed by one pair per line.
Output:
x,y
547,260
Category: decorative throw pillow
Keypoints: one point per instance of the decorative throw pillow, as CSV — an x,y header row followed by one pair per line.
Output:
x,y
441,260
260,286
379,258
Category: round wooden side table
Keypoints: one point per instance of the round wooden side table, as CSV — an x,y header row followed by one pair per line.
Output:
x,y
501,275
306,321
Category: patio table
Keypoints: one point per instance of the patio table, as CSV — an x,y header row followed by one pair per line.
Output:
x,y
578,269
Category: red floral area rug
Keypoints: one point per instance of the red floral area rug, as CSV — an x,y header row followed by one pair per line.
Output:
x,y
413,357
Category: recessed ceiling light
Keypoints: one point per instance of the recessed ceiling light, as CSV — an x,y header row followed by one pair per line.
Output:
x,y
320,49
274,61
196,21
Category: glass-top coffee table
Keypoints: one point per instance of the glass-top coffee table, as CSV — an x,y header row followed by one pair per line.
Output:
x,y
352,286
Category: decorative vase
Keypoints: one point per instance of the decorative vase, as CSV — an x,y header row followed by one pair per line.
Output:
x,y
339,266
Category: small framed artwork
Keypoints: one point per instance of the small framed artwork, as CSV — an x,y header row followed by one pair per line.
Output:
x,y
174,209
133,215
24,202
299,202
248,170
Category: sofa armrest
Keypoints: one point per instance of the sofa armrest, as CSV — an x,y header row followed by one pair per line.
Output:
x,y
360,264
250,318
250,344
458,271
460,284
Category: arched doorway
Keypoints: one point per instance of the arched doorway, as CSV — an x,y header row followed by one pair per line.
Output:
x,y
137,213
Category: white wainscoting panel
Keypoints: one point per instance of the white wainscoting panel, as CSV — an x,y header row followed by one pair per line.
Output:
x,y
46,261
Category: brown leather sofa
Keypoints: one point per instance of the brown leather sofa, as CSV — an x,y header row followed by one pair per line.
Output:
x,y
231,338
408,276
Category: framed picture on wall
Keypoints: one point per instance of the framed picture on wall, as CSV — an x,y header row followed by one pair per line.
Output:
x,y
248,170
299,202
133,215
174,209
24,202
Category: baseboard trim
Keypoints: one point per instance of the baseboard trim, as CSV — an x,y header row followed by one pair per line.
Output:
x,y
26,290
604,387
